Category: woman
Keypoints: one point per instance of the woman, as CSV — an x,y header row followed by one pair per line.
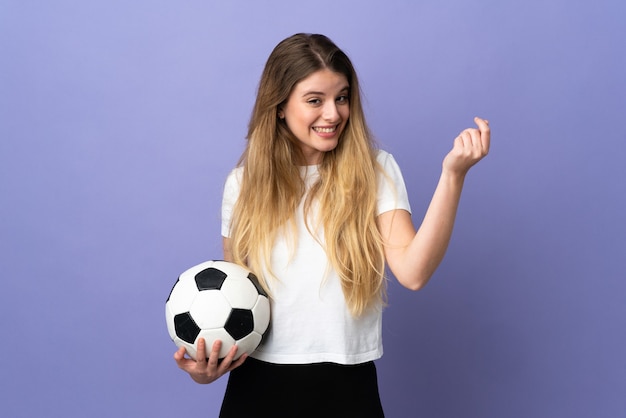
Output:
x,y
318,212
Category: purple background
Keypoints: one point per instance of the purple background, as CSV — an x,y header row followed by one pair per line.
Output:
x,y
120,120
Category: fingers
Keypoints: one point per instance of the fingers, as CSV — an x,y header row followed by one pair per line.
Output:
x,y
470,146
206,370
189,364
214,355
226,362
213,363
179,355
470,140
485,133
481,122
476,139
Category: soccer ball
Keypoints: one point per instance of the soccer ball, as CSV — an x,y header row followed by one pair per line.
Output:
x,y
217,300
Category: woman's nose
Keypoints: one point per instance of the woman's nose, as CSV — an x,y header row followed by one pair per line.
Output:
x,y
330,113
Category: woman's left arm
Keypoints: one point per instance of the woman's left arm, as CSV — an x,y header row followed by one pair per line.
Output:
x,y
414,256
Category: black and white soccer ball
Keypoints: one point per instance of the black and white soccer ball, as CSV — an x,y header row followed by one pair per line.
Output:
x,y
217,300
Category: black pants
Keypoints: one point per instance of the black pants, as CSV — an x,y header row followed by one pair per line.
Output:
x,y
328,390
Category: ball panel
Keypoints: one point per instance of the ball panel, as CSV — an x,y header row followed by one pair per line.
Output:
x,y
261,313
240,323
192,271
240,292
185,327
210,309
182,294
249,343
210,278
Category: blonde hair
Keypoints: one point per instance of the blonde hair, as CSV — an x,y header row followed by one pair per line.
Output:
x,y
272,187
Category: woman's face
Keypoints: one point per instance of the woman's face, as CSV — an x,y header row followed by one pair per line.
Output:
x,y
316,112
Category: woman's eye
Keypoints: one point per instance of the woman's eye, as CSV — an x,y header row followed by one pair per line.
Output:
x,y
342,99
314,101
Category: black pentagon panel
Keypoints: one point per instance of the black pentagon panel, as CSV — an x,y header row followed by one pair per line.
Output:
x,y
186,328
210,278
240,323
256,283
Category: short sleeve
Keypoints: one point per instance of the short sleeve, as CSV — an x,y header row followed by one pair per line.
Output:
x,y
230,196
392,192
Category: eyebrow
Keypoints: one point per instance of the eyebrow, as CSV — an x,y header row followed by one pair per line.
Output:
x,y
319,93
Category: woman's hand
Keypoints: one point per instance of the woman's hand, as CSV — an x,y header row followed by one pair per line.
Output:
x,y
206,371
469,147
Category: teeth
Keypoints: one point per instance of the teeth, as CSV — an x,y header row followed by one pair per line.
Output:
x,y
325,130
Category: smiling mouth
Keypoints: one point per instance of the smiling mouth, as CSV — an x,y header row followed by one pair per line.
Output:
x,y
325,130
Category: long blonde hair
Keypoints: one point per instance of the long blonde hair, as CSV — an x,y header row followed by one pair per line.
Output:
x,y
272,186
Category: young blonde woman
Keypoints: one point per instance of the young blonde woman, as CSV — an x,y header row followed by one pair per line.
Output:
x,y
318,212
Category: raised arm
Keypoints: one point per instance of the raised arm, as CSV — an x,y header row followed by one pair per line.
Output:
x,y
414,256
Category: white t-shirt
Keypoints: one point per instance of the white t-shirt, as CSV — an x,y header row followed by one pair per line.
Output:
x,y
310,322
